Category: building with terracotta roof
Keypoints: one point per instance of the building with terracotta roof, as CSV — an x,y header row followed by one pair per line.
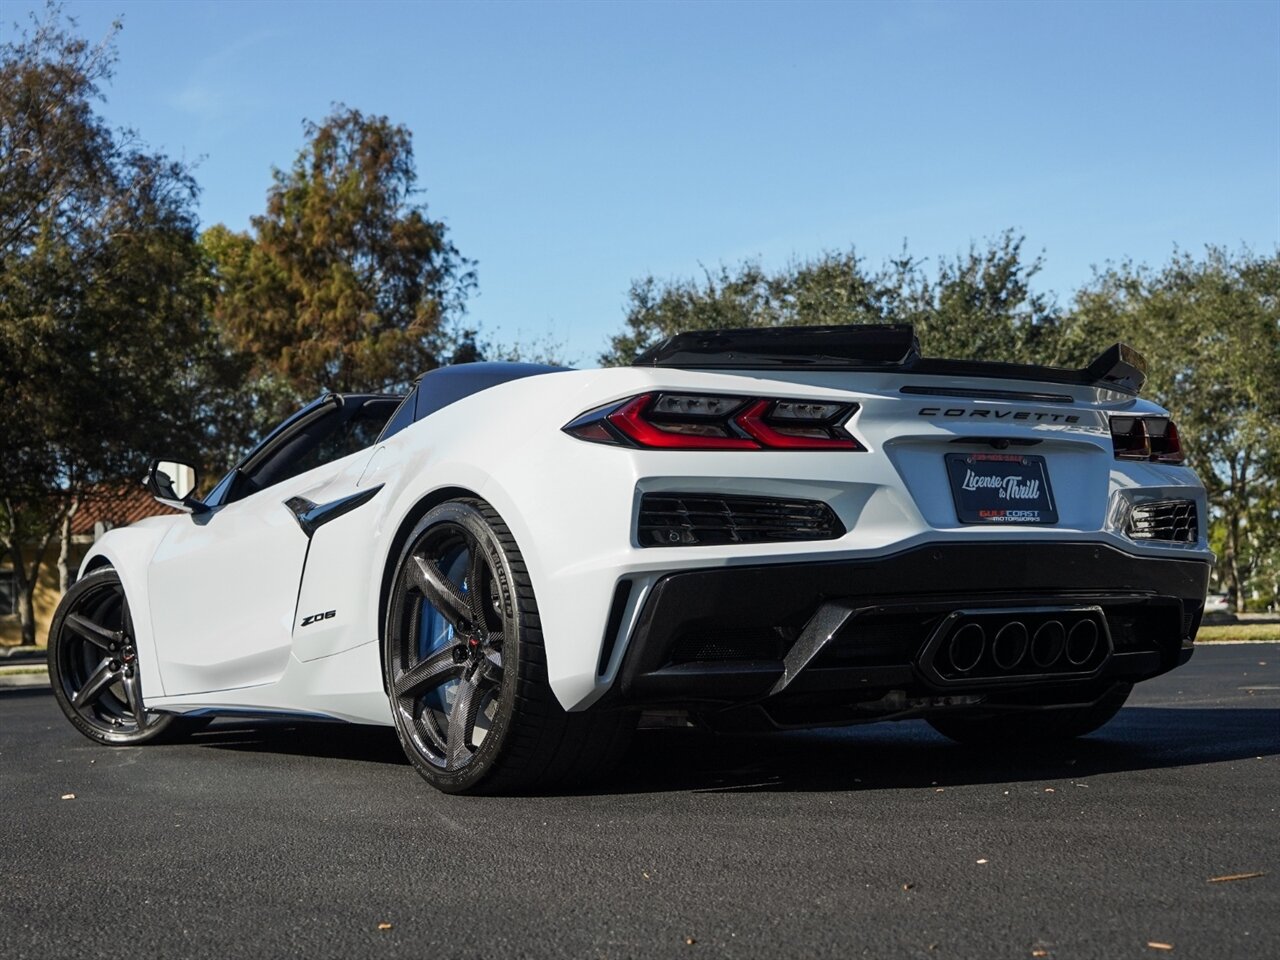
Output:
x,y
103,509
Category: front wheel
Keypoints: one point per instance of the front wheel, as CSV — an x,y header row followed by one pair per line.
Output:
x,y
465,667
1026,728
93,665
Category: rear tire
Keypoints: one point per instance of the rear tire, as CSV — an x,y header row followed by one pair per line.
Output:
x,y
1025,728
465,666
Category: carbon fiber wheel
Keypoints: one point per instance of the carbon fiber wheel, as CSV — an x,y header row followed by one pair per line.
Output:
x,y
93,665
465,669
447,676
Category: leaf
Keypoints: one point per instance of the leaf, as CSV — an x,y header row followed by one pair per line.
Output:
x,y
1236,876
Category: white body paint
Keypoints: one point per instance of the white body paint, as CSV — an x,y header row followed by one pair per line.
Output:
x,y
219,599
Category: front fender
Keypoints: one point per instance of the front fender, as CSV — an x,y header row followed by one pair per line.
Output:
x,y
129,551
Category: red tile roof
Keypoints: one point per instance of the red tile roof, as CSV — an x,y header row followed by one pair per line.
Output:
x,y
116,506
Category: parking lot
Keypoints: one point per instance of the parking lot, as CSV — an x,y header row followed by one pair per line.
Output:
x,y
319,840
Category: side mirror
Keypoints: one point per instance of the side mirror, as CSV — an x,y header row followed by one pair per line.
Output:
x,y
172,483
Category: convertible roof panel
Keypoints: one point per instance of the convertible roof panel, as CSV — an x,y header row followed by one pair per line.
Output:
x,y
445,385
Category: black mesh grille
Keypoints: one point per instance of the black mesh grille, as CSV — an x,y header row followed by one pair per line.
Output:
x,y
1169,520
678,519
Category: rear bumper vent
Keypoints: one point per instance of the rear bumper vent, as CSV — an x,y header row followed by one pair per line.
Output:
x,y
686,520
1172,521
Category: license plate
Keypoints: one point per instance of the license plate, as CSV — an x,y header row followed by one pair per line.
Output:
x,y
1001,488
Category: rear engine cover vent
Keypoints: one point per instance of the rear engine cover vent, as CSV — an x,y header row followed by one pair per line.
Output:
x,y
687,520
1173,521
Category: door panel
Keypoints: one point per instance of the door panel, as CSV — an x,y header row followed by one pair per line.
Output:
x,y
224,587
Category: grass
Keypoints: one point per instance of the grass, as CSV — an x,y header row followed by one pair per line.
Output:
x,y
1239,631
23,671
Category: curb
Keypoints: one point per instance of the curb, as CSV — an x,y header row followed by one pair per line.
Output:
x,y
15,655
1228,643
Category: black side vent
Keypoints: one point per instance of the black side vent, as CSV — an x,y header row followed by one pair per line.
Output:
x,y
1173,521
686,520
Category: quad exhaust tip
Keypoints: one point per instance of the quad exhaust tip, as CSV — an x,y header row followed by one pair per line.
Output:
x,y
967,646
1082,642
1018,643
1010,645
1048,643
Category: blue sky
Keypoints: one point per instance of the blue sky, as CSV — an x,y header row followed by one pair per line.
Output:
x,y
572,147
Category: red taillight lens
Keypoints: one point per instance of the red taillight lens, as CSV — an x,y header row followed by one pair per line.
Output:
x,y
646,427
674,421
763,422
1146,438
1129,438
1166,445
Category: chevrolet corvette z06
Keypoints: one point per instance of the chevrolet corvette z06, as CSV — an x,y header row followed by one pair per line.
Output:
x,y
746,529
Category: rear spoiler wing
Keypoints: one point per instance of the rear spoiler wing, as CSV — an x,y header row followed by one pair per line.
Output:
x,y
873,348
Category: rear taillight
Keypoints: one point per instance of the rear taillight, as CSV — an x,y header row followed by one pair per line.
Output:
x,y
1146,438
1166,445
642,422
678,421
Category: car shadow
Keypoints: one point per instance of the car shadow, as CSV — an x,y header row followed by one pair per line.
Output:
x,y
26,692
910,754
332,741
902,755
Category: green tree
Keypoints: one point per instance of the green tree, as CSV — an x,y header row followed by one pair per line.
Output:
x,y
102,333
345,282
829,289
979,304
1210,330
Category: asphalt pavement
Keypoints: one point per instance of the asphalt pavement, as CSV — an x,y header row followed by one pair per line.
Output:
x,y
318,840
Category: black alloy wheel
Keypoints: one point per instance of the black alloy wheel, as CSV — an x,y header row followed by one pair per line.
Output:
x,y
448,672
93,665
465,668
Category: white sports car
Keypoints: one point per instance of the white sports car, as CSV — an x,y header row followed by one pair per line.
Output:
x,y
747,529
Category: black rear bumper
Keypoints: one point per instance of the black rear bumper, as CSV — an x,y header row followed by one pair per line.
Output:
x,y
817,640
